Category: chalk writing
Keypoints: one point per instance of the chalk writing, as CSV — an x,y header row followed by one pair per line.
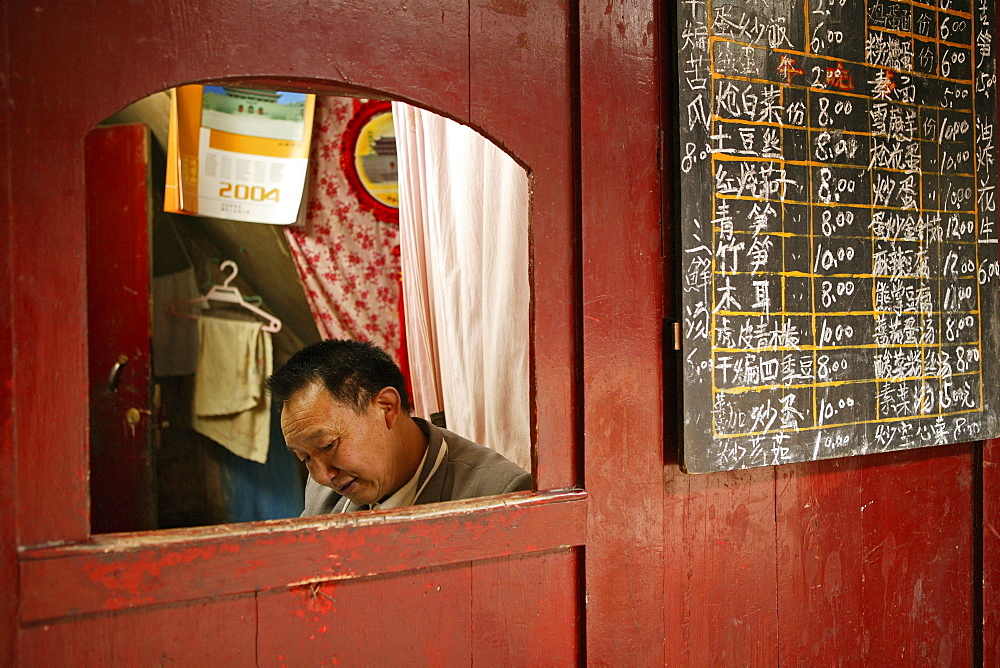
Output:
x,y
839,264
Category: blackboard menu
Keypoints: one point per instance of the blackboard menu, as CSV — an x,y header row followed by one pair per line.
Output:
x,y
839,227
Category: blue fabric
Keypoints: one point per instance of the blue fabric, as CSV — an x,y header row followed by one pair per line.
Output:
x,y
268,491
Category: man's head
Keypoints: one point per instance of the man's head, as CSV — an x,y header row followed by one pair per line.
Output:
x,y
353,372
345,413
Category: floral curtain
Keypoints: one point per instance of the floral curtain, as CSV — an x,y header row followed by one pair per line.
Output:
x,y
348,260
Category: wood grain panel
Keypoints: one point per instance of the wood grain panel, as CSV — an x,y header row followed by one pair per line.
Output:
x,y
622,321
991,552
138,570
521,96
420,618
8,459
122,490
523,611
95,72
916,598
720,590
49,323
819,561
417,51
205,633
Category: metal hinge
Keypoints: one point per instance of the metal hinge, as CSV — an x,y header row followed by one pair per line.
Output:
x,y
672,335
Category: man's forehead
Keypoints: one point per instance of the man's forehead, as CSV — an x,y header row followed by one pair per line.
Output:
x,y
315,395
315,405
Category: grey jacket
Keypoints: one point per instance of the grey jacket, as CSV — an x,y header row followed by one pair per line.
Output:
x,y
468,470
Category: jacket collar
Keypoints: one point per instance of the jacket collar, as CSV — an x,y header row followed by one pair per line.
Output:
x,y
435,440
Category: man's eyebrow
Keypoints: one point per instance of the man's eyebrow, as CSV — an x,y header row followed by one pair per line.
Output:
x,y
313,436
319,438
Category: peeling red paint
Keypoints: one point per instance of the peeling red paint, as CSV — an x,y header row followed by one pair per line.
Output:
x,y
510,7
133,583
319,598
251,566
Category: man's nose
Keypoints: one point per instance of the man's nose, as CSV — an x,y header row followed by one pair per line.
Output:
x,y
323,471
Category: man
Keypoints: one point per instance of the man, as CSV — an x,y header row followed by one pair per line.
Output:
x,y
346,414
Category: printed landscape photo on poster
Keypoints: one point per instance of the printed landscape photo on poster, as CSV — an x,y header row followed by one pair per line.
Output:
x,y
237,153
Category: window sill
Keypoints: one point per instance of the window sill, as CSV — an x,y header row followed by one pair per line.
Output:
x,y
121,571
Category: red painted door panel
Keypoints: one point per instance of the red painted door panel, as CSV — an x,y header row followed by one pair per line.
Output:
x,y
201,633
505,612
118,323
524,610
419,618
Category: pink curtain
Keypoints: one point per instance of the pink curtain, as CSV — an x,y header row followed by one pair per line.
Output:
x,y
344,255
463,219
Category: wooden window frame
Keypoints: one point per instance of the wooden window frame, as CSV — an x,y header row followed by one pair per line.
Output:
x,y
106,572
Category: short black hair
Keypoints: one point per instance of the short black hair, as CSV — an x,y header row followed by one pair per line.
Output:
x,y
352,371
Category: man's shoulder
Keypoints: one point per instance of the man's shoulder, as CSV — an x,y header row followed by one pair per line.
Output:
x,y
476,470
463,451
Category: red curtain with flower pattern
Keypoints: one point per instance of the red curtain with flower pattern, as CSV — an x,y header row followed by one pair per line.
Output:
x,y
344,255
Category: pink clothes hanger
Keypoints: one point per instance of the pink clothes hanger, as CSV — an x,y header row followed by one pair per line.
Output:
x,y
230,295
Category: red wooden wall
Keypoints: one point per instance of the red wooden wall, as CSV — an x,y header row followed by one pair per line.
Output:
x,y
890,558
989,530
622,316
8,457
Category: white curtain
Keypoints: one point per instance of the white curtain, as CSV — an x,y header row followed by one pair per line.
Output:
x,y
463,225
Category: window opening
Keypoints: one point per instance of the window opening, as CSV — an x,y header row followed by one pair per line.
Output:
x,y
440,281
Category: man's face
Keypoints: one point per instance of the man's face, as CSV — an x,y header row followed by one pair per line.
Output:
x,y
354,454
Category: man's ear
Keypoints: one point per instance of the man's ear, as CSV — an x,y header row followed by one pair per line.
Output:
x,y
388,401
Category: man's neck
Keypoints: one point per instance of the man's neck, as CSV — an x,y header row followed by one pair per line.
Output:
x,y
413,444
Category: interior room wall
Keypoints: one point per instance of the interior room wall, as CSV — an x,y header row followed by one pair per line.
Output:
x,y
198,481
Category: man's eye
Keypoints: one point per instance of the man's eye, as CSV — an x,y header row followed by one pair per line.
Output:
x,y
331,446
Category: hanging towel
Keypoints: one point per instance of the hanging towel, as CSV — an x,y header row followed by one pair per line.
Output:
x,y
175,339
230,404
